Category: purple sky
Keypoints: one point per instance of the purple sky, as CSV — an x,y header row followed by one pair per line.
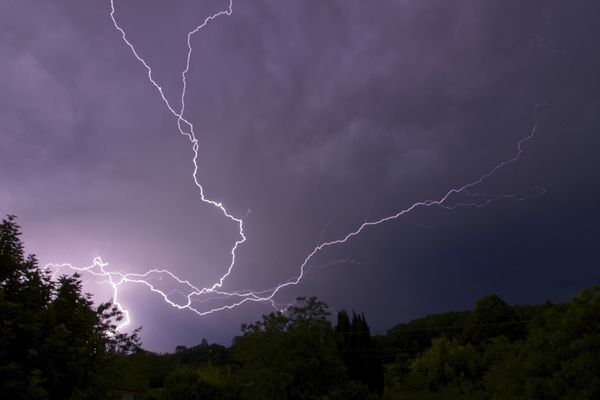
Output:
x,y
312,117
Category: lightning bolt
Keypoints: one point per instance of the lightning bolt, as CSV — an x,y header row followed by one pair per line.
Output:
x,y
196,298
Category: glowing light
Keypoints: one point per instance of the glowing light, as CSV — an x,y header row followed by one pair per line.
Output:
x,y
195,297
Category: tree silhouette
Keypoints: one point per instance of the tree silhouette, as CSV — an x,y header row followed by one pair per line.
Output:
x,y
359,352
54,343
493,317
290,355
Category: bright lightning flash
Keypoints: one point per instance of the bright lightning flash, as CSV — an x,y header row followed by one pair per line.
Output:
x,y
185,295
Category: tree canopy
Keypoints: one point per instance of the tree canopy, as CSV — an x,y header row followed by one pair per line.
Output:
x,y
54,342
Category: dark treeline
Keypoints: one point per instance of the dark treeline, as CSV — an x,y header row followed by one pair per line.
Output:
x,y
55,344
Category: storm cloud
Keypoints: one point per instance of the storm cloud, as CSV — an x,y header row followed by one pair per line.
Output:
x,y
312,117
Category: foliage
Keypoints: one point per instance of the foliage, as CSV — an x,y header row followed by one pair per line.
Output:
x,y
447,368
187,384
143,370
286,355
292,355
551,353
359,352
54,344
492,318
557,357
407,340
202,354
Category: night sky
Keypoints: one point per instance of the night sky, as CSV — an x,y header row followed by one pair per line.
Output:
x,y
312,117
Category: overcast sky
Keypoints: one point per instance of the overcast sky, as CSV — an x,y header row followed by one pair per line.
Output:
x,y
312,117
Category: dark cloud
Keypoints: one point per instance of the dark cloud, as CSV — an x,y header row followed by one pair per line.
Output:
x,y
311,117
